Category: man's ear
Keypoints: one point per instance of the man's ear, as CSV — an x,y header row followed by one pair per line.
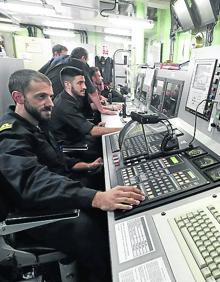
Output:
x,y
84,59
67,85
18,97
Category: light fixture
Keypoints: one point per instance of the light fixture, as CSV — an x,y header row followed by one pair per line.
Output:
x,y
5,20
117,31
27,9
131,22
116,39
59,32
9,27
58,24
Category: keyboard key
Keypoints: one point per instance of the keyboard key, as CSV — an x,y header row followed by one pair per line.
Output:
x,y
202,238
195,252
206,272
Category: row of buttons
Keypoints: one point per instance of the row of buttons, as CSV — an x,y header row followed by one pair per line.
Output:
x,y
116,159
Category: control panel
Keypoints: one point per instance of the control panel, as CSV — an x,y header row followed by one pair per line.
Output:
x,y
166,178
161,178
142,144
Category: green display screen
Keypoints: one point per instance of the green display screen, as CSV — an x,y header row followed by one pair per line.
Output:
x,y
191,174
174,160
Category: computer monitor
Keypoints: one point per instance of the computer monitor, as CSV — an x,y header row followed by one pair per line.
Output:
x,y
157,94
184,14
139,85
200,87
172,94
206,11
148,85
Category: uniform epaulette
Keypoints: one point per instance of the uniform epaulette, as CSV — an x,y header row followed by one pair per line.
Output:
x,y
6,125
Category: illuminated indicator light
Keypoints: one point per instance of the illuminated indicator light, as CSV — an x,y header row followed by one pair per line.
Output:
x,y
191,174
174,160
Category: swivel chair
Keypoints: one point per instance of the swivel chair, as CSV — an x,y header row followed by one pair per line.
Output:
x,y
25,259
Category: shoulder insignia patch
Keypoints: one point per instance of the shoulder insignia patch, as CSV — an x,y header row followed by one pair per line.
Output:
x,y
6,125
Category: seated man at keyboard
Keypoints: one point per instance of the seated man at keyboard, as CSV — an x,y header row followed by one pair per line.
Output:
x,y
97,80
38,176
78,58
68,122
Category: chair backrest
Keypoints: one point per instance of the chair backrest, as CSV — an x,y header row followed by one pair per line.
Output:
x,y
4,206
5,203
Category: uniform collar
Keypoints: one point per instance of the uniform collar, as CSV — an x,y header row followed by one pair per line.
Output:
x,y
25,122
75,99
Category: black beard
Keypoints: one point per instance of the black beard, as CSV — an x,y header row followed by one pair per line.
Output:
x,y
33,112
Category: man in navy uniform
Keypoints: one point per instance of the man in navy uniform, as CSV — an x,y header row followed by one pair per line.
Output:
x,y
68,122
59,54
38,177
78,58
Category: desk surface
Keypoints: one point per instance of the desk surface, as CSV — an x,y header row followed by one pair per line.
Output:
x,y
114,120
125,265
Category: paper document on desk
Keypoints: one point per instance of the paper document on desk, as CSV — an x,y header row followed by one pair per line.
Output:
x,y
133,239
152,271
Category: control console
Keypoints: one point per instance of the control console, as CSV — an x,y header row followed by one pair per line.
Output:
x,y
162,179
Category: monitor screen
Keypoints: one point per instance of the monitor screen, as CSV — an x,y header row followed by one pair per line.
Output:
x,y
206,11
184,14
172,95
139,85
200,86
148,84
157,94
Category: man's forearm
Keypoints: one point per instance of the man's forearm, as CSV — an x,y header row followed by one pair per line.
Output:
x,y
81,166
99,130
95,99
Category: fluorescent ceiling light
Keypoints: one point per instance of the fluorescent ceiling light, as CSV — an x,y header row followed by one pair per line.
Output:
x,y
9,27
59,24
117,31
5,20
125,21
59,32
27,9
115,39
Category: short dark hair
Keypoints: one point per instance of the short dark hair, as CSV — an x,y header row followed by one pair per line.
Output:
x,y
79,52
20,80
68,73
59,48
93,70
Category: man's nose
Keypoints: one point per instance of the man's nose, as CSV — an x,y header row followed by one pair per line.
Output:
x,y
50,102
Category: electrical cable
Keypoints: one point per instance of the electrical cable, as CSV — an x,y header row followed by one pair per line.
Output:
x,y
195,122
145,138
123,133
169,131
167,137
112,9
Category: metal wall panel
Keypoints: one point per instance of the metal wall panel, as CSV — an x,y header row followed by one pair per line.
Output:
x,y
7,67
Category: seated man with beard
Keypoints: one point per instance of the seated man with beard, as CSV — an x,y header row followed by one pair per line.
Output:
x,y
38,180
68,123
